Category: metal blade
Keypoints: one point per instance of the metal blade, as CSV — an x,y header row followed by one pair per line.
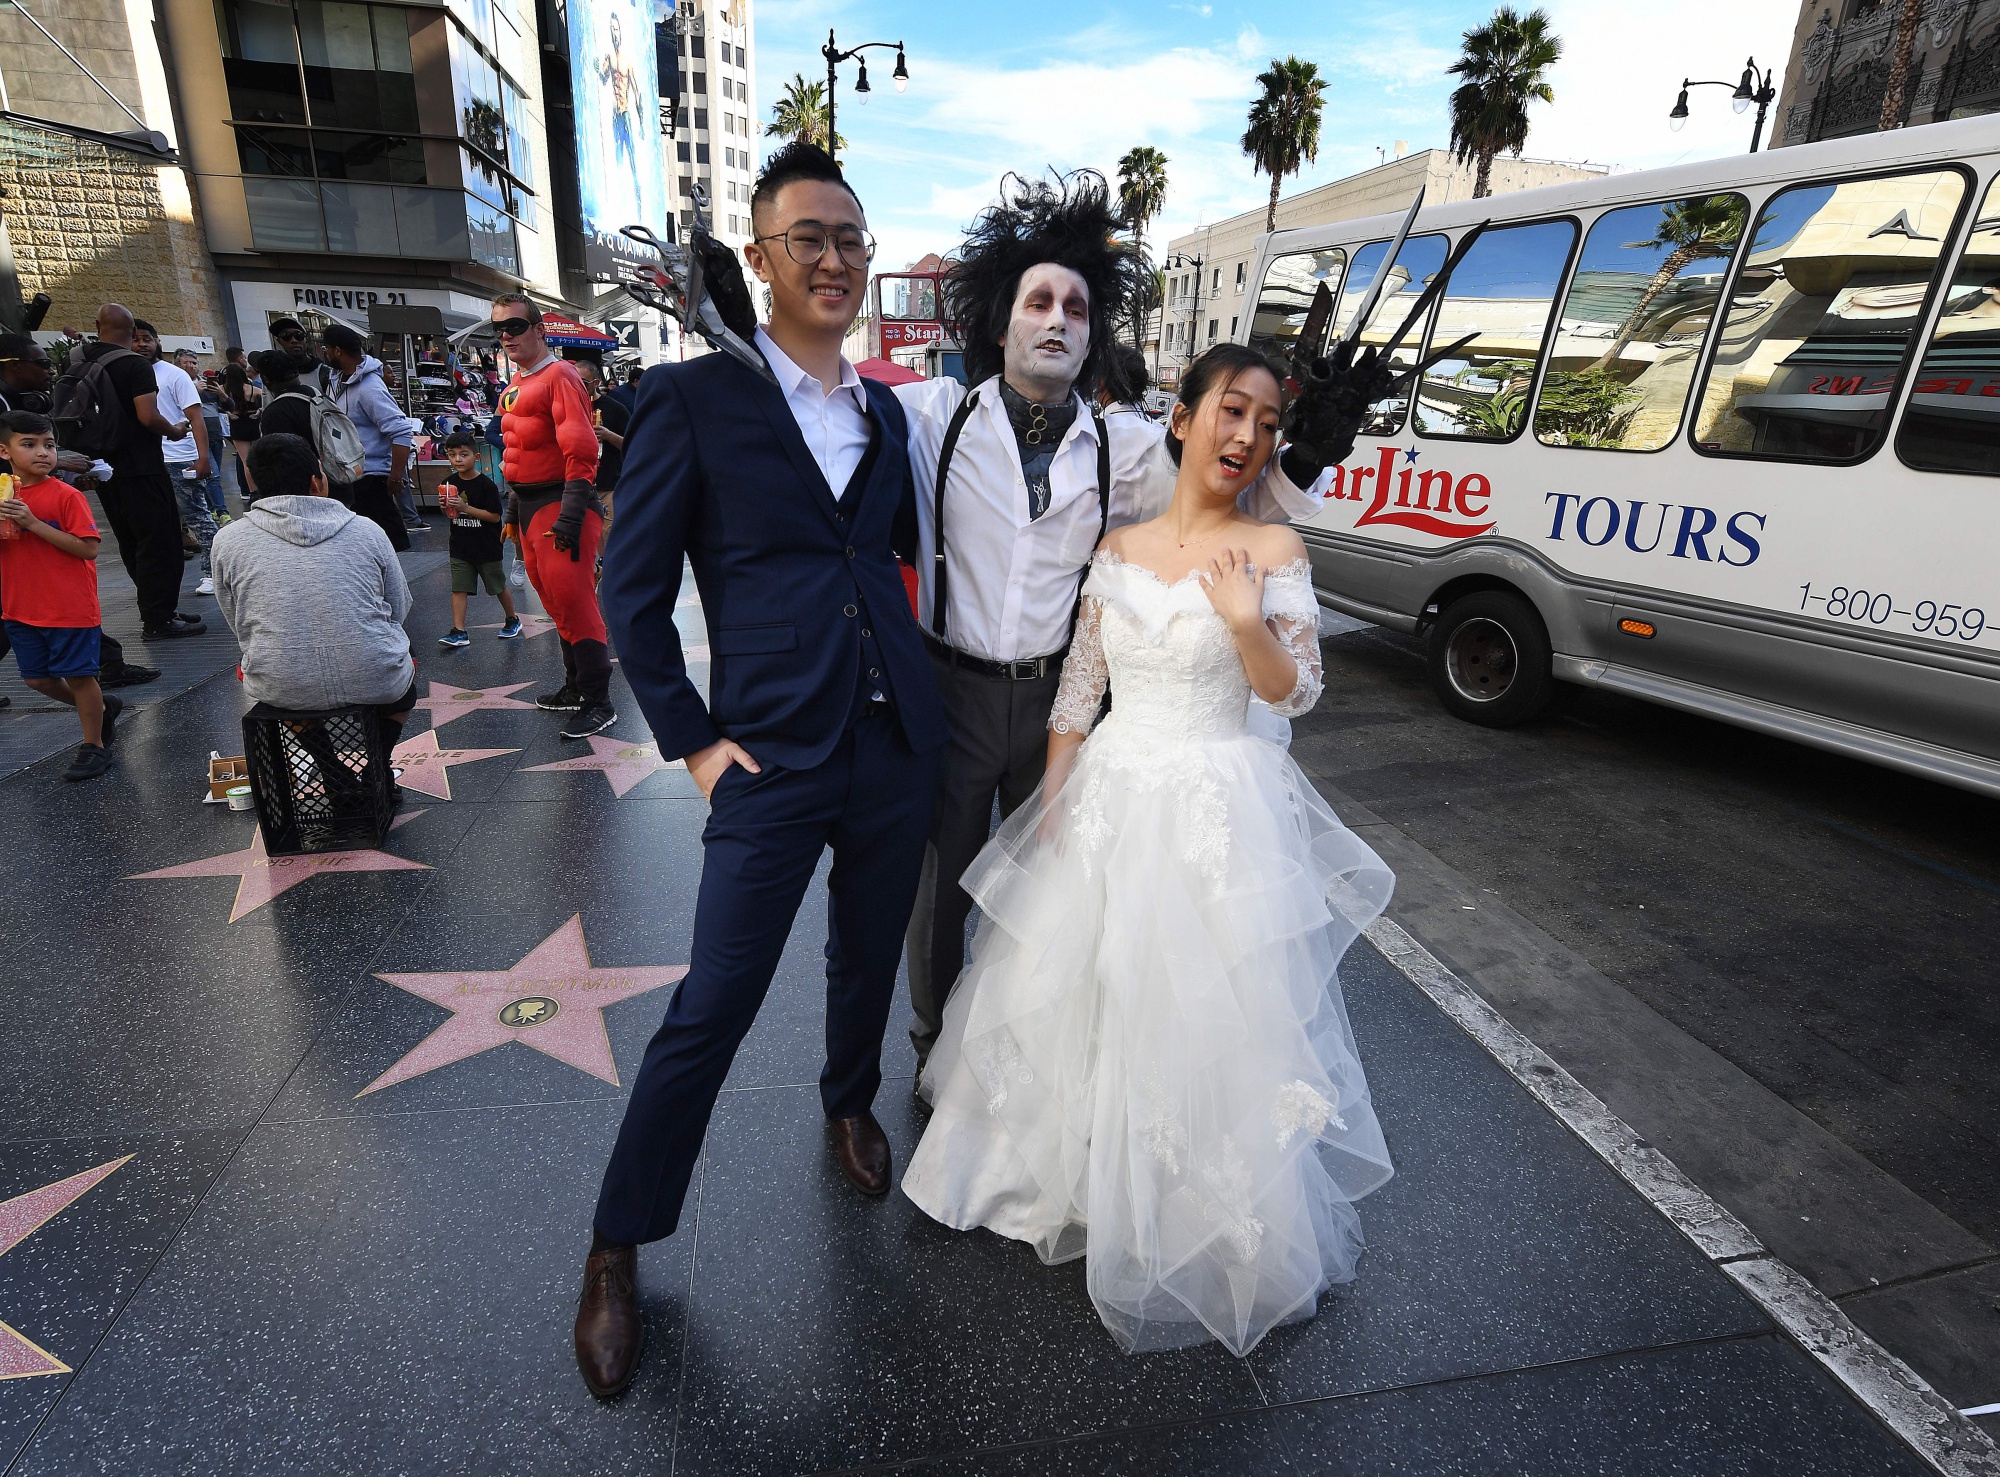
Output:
x,y
1319,317
1367,309
1435,287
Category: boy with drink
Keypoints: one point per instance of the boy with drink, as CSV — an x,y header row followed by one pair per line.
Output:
x,y
48,586
472,503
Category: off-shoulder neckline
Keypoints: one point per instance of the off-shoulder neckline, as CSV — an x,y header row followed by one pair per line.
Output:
x,y
1300,567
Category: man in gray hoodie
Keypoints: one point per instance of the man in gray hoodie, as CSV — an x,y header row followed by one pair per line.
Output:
x,y
314,594
387,436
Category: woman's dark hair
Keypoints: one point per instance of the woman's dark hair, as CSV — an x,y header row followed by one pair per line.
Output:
x,y
1069,221
1217,369
275,364
283,465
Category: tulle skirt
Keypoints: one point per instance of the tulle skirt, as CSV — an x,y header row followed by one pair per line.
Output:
x,y
1147,1062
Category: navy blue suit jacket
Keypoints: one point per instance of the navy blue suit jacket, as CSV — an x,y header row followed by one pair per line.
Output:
x,y
716,471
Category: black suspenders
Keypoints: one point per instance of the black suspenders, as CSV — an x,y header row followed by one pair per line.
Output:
x,y
939,574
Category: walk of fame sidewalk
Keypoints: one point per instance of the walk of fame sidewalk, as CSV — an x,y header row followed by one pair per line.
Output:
x,y
299,1155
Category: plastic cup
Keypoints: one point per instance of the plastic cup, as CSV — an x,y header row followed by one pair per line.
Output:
x,y
240,798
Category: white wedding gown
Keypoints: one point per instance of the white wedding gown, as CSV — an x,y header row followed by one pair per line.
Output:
x,y
1147,1062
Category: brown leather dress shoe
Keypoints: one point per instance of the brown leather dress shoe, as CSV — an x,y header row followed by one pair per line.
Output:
x,y
609,1332
863,1151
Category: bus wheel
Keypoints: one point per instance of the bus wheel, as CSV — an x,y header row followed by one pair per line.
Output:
x,y
1489,660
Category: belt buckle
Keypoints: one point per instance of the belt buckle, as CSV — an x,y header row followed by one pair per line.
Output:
x,y
1025,671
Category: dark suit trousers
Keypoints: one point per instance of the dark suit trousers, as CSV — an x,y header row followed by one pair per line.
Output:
x,y
871,802
146,522
998,749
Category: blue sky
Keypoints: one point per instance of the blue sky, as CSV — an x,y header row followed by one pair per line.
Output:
x,y
1026,84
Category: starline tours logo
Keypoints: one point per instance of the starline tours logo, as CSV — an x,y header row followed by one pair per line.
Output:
x,y
1430,501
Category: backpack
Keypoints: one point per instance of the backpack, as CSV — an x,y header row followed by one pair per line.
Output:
x,y
88,412
341,455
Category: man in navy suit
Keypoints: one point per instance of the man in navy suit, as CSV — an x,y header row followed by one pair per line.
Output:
x,y
823,725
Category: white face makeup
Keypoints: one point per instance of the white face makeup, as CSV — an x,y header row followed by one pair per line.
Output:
x,y
1048,334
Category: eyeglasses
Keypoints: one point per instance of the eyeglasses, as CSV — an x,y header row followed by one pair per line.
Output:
x,y
290,335
806,243
514,327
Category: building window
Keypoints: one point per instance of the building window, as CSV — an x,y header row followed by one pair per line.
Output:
x,y
701,84
698,45
701,118
684,151
1212,327
701,153
1241,267
1215,287
1232,329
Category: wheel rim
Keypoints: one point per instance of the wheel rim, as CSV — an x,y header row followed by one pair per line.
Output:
x,y
1481,660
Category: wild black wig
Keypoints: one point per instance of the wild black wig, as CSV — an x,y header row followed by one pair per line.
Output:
x,y
1070,221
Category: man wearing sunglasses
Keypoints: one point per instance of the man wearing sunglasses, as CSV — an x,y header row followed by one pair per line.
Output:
x,y
549,453
822,723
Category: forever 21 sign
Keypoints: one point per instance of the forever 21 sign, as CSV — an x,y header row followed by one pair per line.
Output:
x,y
345,297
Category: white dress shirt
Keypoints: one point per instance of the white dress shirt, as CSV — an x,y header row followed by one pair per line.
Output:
x,y
178,400
1012,579
835,425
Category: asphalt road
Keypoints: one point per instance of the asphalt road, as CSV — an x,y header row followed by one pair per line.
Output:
x,y
1777,963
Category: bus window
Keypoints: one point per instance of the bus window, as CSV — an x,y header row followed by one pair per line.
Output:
x,y
1415,265
1504,291
1824,316
908,299
1287,293
1633,324
1953,422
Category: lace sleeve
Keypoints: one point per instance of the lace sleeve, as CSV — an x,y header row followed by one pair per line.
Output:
x,y
1292,612
1084,675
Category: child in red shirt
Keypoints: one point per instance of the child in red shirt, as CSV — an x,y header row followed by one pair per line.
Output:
x,y
48,587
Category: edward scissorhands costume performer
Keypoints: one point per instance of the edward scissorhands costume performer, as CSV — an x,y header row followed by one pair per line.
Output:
x,y
1018,479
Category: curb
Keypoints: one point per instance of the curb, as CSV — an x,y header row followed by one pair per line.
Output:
x,y
1893,1392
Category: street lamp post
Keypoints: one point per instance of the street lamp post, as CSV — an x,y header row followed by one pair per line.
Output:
x,y
1749,88
1174,263
834,57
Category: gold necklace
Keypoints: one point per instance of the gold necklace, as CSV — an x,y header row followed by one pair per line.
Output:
x,y
1040,423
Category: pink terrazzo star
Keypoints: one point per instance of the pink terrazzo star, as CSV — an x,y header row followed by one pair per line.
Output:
x,y
265,876
427,767
532,625
446,703
621,762
553,1000
20,1218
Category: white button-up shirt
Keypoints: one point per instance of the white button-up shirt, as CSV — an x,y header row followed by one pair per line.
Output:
x,y
834,425
1012,580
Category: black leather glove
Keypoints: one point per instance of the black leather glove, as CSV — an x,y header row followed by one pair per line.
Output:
x,y
1323,418
568,528
722,279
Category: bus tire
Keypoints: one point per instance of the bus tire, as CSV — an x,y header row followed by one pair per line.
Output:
x,y
1489,660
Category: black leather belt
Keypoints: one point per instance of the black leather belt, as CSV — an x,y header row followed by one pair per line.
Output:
x,y
1023,671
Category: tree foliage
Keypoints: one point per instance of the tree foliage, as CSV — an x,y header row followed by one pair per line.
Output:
x,y
800,114
1505,65
1283,132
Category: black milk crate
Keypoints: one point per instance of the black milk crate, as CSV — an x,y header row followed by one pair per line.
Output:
x,y
322,781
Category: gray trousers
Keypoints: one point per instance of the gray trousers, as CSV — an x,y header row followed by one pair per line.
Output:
x,y
998,749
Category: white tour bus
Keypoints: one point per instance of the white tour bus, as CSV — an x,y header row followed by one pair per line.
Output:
x,y
1726,439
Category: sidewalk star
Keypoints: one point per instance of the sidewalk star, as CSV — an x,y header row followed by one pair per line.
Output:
x,y
446,703
427,767
20,1218
622,763
265,876
553,1000
532,625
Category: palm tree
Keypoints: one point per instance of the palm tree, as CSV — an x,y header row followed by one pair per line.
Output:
x,y
1899,65
1142,190
1697,230
1505,65
801,113
1283,135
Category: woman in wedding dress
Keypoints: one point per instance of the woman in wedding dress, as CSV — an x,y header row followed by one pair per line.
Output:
x,y
1147,1062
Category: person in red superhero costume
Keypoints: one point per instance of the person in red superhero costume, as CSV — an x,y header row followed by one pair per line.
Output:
x,y
553,511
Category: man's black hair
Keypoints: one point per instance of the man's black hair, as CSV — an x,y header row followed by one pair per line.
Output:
x,y
140,325
796,161
283,465
340,336
274,364
1125,377
25,423
461,438
1070,221
632,374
